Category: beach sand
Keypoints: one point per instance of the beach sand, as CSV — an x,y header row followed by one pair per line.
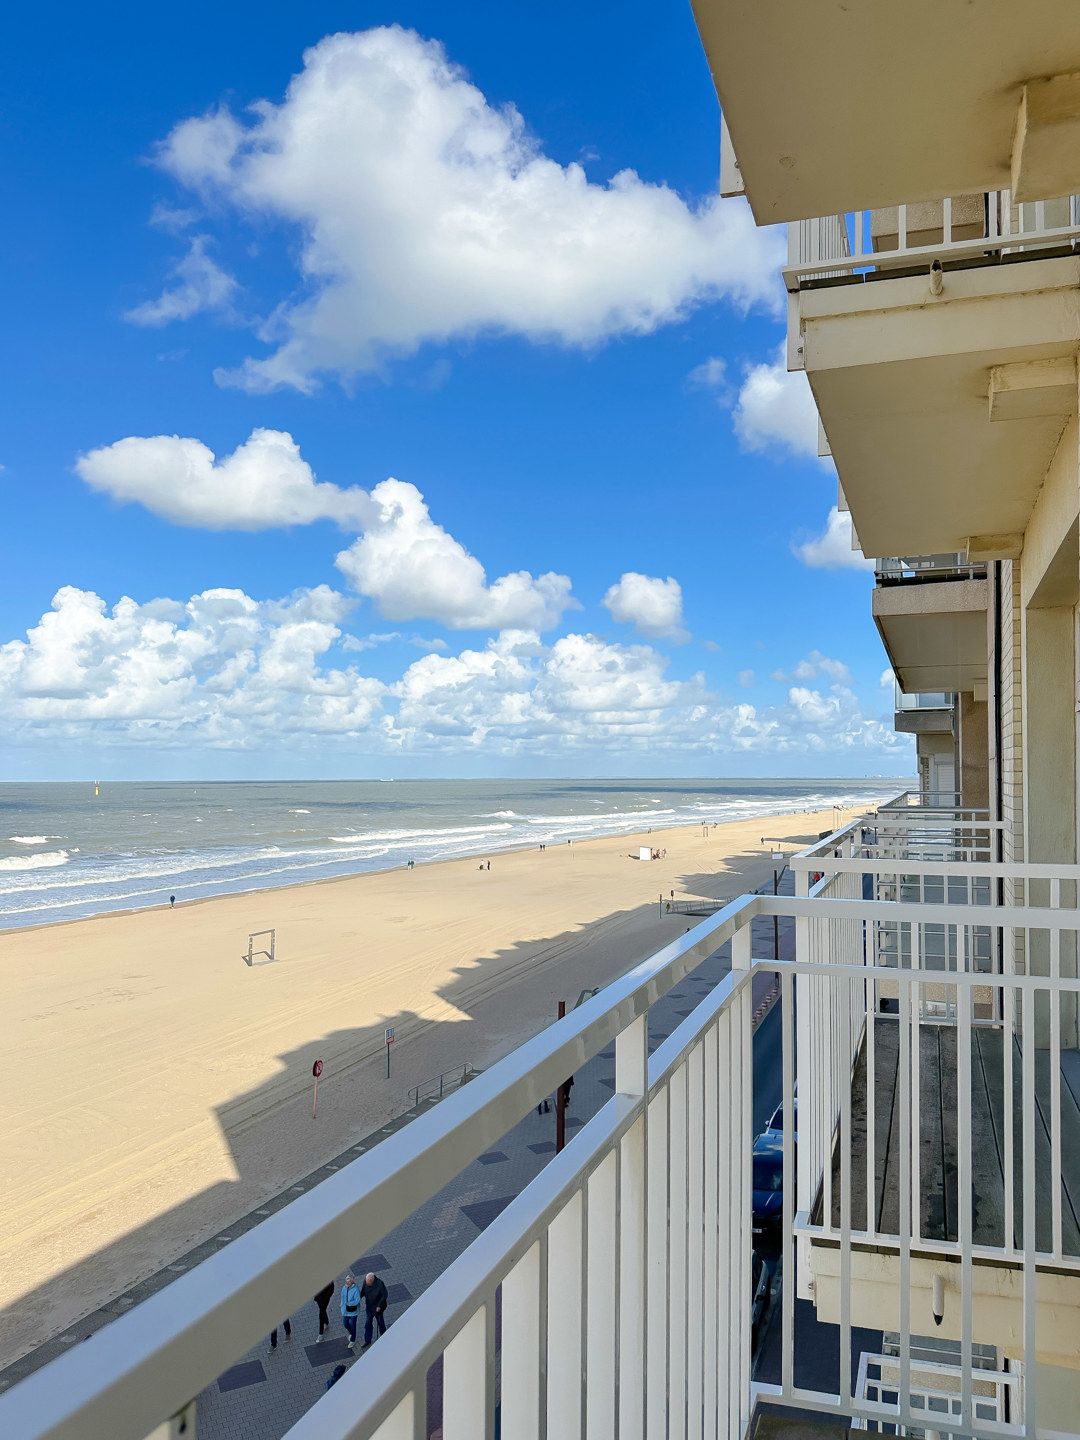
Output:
x,y
153,1087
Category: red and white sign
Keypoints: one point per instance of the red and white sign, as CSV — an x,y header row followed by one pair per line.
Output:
x,y
389,1034
316,1069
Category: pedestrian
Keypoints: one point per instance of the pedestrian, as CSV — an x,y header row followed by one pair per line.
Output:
x,y
350,1307
376,1300
322,1300
544,1108
172,902
273,1335
567,1086
335,1375
489,864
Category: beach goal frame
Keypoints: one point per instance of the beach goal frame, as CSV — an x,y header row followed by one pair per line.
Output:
x,y
271,954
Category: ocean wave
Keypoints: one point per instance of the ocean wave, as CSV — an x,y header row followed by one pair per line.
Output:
x,y
47,860
499,815
362,837
33,839
299,812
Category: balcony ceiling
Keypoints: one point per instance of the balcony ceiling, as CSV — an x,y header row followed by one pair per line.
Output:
x,y
935,635
835,106
903,388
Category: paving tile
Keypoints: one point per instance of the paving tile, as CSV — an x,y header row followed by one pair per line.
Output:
x,y
483,1212
572,1122
545,1147
608,1082
368,1263
330,1352
248,1372
400,1294
493,1157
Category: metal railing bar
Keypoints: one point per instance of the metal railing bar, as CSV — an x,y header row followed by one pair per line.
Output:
x,y
365,1396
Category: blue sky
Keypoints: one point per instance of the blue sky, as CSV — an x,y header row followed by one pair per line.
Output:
x,y
577,378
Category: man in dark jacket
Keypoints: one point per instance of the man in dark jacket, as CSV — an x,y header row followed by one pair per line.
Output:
x,y
375,1299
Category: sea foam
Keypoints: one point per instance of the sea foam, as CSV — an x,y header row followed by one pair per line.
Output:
x,y
47,860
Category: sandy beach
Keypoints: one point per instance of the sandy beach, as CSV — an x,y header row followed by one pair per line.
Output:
x,y
153,1086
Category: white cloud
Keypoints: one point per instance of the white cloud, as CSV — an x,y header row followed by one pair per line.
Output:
x,y
360,643
813,665
712,375
775,410
651,605
426,213
202,285
746,678
411,568
831,550
220,669
224,671
265,482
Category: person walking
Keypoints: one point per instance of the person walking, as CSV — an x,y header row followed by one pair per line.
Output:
x,y
350,1307
376,1300
172,902
567,1086
322,1300
335,1375
273,1335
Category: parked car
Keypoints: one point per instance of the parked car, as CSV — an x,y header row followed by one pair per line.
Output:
x,y
759,1290
776,1121
768,1182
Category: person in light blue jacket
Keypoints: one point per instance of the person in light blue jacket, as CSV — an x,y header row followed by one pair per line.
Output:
x,y
350,1307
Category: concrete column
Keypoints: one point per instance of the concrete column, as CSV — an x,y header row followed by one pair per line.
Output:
x,y
1049,729
974,736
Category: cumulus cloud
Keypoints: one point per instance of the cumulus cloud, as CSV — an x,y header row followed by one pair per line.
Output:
x,y
831,550
264,483
202,285
775,410
746,678
425,213
814,665
224,671
651,605
221,669
411,568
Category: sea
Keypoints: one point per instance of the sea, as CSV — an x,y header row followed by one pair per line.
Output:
x,y
73,850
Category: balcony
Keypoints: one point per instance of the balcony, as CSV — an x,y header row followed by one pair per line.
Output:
x,y
924,713
931,613
612,1295
940,343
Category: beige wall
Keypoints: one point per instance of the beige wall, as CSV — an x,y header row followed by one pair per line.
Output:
x,y
974,746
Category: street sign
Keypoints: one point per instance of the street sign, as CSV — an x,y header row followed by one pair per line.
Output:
x,y
389,1034
316,1070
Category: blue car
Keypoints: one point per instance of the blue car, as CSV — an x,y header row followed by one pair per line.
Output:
x,y
768,1182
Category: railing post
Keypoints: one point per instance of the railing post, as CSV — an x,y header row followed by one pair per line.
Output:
x,y
807,1150
631,1078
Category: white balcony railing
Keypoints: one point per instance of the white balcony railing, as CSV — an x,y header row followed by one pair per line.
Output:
x,y
622,1273
908,569
864,241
